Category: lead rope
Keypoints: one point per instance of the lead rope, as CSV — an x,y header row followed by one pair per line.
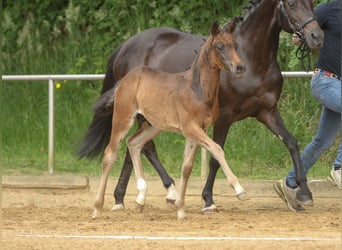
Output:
x,y
302,53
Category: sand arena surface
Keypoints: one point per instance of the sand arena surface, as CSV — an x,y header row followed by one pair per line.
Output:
x,y
46,218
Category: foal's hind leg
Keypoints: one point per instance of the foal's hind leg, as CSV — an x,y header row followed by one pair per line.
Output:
x,y
149,150
121,126
135,143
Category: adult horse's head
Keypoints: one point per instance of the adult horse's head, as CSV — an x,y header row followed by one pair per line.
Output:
x,y
224,47
297,16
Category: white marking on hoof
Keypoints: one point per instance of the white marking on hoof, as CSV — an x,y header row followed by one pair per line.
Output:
x,y
172,194
211,209
142,187
118,207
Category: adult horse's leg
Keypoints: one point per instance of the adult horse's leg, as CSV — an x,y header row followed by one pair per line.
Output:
x,y
121,186
220,132
275,123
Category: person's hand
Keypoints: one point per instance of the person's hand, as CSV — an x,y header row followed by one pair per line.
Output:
x,y
296,40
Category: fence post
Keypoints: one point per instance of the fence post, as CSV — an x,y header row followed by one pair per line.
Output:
x,y
51,142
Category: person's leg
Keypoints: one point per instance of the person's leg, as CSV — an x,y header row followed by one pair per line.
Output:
x,y
335,174
328,128
337,162
327,91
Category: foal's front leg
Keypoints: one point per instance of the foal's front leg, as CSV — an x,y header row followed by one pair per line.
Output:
x,y
218,153
189,156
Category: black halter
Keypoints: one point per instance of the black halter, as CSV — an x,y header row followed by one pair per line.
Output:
x,y
303,50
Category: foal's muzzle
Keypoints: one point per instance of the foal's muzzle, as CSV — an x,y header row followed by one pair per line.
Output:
x,y
240,69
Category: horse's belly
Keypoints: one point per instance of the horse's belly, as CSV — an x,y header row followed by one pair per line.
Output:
x,y
162,118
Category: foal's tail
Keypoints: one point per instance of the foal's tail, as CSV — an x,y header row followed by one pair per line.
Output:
x,y
99,130
103,107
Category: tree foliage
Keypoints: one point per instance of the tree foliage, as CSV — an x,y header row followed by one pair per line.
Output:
x,y
32,28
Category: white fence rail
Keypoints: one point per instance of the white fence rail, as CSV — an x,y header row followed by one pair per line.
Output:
x,y
89,77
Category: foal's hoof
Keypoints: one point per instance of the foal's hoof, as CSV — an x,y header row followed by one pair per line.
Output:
x,y
211,209
118,207
139,207
181,215
96,214
242,196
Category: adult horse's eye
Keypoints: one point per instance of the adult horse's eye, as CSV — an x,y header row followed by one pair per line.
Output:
x,y
291,4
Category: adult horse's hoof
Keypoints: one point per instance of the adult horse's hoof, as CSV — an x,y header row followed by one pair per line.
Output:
x,y
170,201
211,209
171,194
242,196
118,207
304,196
304,199
139,207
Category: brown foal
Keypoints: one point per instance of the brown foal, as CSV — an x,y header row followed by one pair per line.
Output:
x,y
184,102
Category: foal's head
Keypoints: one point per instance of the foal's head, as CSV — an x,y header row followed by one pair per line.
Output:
x,y
224,48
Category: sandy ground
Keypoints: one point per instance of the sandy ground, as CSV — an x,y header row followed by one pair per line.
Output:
x,y
53,218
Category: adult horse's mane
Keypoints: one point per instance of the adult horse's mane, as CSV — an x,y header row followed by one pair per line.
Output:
x,y
248,9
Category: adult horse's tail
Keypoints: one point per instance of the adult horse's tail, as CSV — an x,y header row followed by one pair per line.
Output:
x,y
99,130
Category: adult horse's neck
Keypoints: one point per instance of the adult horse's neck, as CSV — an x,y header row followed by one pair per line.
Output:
x,y
258,34
205,75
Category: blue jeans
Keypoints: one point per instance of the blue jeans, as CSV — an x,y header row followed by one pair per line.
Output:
x,y
327,91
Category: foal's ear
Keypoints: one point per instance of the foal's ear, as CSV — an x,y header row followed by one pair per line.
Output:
x,y
215,29
230,27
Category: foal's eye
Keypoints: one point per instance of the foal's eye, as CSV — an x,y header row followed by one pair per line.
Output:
x,y
219,46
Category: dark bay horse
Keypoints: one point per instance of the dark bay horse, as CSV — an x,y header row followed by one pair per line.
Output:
x,y
254,95
184,102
